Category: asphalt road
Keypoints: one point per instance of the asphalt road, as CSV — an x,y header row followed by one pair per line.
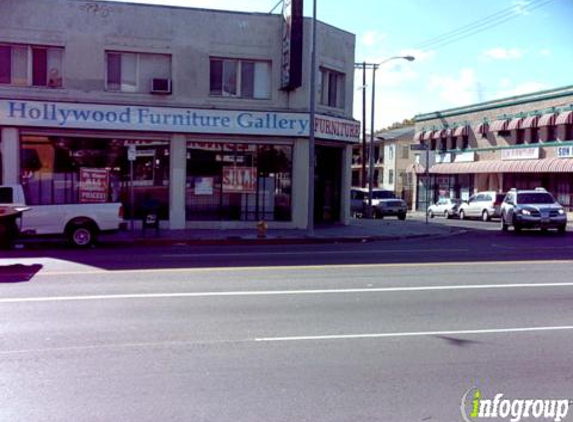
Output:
x,y
289,333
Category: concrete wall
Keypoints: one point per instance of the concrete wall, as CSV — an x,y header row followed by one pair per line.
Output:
x,y
191,36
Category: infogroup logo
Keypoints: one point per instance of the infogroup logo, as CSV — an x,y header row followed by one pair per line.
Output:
x,y
475,407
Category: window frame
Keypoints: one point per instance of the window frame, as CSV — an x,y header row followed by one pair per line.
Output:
x,y
32,73
240,64
327,96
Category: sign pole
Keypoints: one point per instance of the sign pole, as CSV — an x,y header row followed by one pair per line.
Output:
x,y
427,180
131,155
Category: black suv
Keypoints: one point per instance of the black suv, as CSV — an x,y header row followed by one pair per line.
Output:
x,y
529,209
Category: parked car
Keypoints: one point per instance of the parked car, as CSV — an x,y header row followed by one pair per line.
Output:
x,y
80,223
448,207
384,203
528,209
484,205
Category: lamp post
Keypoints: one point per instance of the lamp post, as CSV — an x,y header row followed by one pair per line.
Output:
x,y
374,67
311,142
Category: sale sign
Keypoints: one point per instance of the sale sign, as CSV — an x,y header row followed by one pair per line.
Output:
x,y
239,179
94,185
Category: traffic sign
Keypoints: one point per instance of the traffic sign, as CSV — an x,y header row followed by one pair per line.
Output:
x,y
131,153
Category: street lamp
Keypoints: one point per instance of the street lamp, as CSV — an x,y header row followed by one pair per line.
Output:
x,y
372,66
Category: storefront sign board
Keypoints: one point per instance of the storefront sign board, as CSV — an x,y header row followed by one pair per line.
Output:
x,y
520,154
239,179
565,152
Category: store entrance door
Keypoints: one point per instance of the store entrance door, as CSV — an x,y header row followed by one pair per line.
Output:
x,y
327,184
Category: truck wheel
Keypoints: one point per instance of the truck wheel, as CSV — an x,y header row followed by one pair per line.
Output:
x,y
82,235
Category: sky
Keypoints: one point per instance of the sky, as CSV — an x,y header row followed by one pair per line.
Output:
x,y
466,51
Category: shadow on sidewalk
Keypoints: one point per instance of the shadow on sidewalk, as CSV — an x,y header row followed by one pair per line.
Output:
x,y
18,273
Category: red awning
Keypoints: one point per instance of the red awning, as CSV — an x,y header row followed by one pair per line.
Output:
x,y
499,125
418,136
549,165
531,121
547,120
515,123
428,134
565,118
482,128
461,131
438,134
449,132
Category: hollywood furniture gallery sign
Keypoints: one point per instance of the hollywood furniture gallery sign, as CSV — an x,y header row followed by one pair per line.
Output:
x,y
168,119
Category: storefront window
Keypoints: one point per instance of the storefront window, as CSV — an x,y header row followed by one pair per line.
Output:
x,y
71,170
232,181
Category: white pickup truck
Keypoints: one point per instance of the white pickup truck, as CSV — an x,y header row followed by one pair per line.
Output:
x,y
80,223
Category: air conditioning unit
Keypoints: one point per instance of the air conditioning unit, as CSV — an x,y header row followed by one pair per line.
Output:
x,y
160,86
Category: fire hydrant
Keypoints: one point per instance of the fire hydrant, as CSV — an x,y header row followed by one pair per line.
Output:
x,y
262,227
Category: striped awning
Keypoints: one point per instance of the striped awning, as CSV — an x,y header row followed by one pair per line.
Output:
x,y
565,118
418,136
449,132
515,123
438,134
547,120
461,131
531,121
482,128
549,165
499,125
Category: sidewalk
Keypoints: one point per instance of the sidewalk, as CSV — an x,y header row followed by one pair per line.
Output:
x,y
359,230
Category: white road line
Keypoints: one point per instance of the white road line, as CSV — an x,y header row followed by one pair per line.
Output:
x,y
415,334
322,267
311,252
280,292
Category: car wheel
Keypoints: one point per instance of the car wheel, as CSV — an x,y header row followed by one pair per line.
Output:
x,y
430,214
516,226
82,235
462,215
504,225
485,215
402,217
447,214
562,228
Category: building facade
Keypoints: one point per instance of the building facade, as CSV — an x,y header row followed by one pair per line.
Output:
x,y
188,110
397,161
519,142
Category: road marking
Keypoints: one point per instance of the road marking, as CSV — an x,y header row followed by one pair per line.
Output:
x,y
415,334
280,292
354,252
286,339
43,272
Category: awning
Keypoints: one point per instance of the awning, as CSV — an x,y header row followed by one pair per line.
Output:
x,y
418,136
482,128
547,120
549,165
461,131
515,123
449,132
438,134
531,121
565,118
416,168
428,134
499,125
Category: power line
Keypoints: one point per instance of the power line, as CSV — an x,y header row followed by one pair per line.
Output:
x,y
478,26
276,5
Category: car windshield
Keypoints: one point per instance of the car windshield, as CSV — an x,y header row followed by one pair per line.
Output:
x,y
382,194
535,198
